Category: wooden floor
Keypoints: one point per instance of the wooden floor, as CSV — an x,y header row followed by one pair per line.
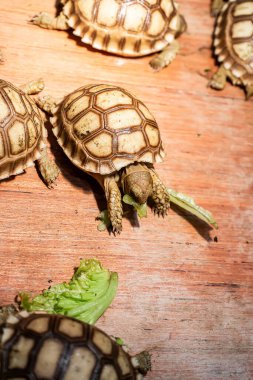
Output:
x,y
185,290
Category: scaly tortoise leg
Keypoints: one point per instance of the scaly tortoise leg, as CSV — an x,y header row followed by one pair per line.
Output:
x,y
169,53
164,58
249,90
47,103
114,204
47,21
216,7
160,195
219,78
33,87
47,167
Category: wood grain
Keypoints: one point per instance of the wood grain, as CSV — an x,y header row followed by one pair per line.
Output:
x,y
185,290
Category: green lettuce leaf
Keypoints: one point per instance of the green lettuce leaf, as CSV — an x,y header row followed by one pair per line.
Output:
x,y
188,204
86,297
104,219
141,209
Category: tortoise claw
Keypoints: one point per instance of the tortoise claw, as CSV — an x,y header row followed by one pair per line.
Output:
x,y
161,210
116,229
36,19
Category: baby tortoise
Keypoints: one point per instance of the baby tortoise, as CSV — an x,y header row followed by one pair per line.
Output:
x,y
127,28
22,132
233,44
43,346
110,134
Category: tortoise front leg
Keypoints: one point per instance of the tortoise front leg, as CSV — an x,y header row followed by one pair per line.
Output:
x,y
219,78
114,204
249,90
33,87
46,103
47,21
159,195
165,57
47,167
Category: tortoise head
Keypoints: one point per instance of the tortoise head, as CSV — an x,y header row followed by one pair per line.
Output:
x,y
137,181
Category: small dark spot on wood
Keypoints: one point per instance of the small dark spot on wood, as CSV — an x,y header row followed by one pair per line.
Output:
x,y
215,239
179,270
198,134
223,284
49,281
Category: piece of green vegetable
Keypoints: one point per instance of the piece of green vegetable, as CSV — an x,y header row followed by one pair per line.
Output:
x,y
86,297
140,208
104,216
104,220
119,341
188,204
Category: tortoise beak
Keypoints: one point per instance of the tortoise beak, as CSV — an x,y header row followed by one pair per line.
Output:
x,y
140,193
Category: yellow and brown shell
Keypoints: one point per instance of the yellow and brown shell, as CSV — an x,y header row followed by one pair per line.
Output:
x,y
21,130
43,346
124,27
103,128
233,38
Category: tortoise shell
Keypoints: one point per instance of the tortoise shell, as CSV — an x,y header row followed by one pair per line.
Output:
x,y
103,128
21,130
42,346
233,39
124,27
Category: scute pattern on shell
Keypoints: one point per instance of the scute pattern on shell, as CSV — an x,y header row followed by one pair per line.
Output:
x,y
233,38
128,27
103,128
46,346
21,130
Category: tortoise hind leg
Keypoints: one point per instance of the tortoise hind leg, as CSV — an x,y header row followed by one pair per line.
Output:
x,y
159,195
249,90
169,53
142,362
47,167
46,103
164,58
47,21
219,78
114,204
33,87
